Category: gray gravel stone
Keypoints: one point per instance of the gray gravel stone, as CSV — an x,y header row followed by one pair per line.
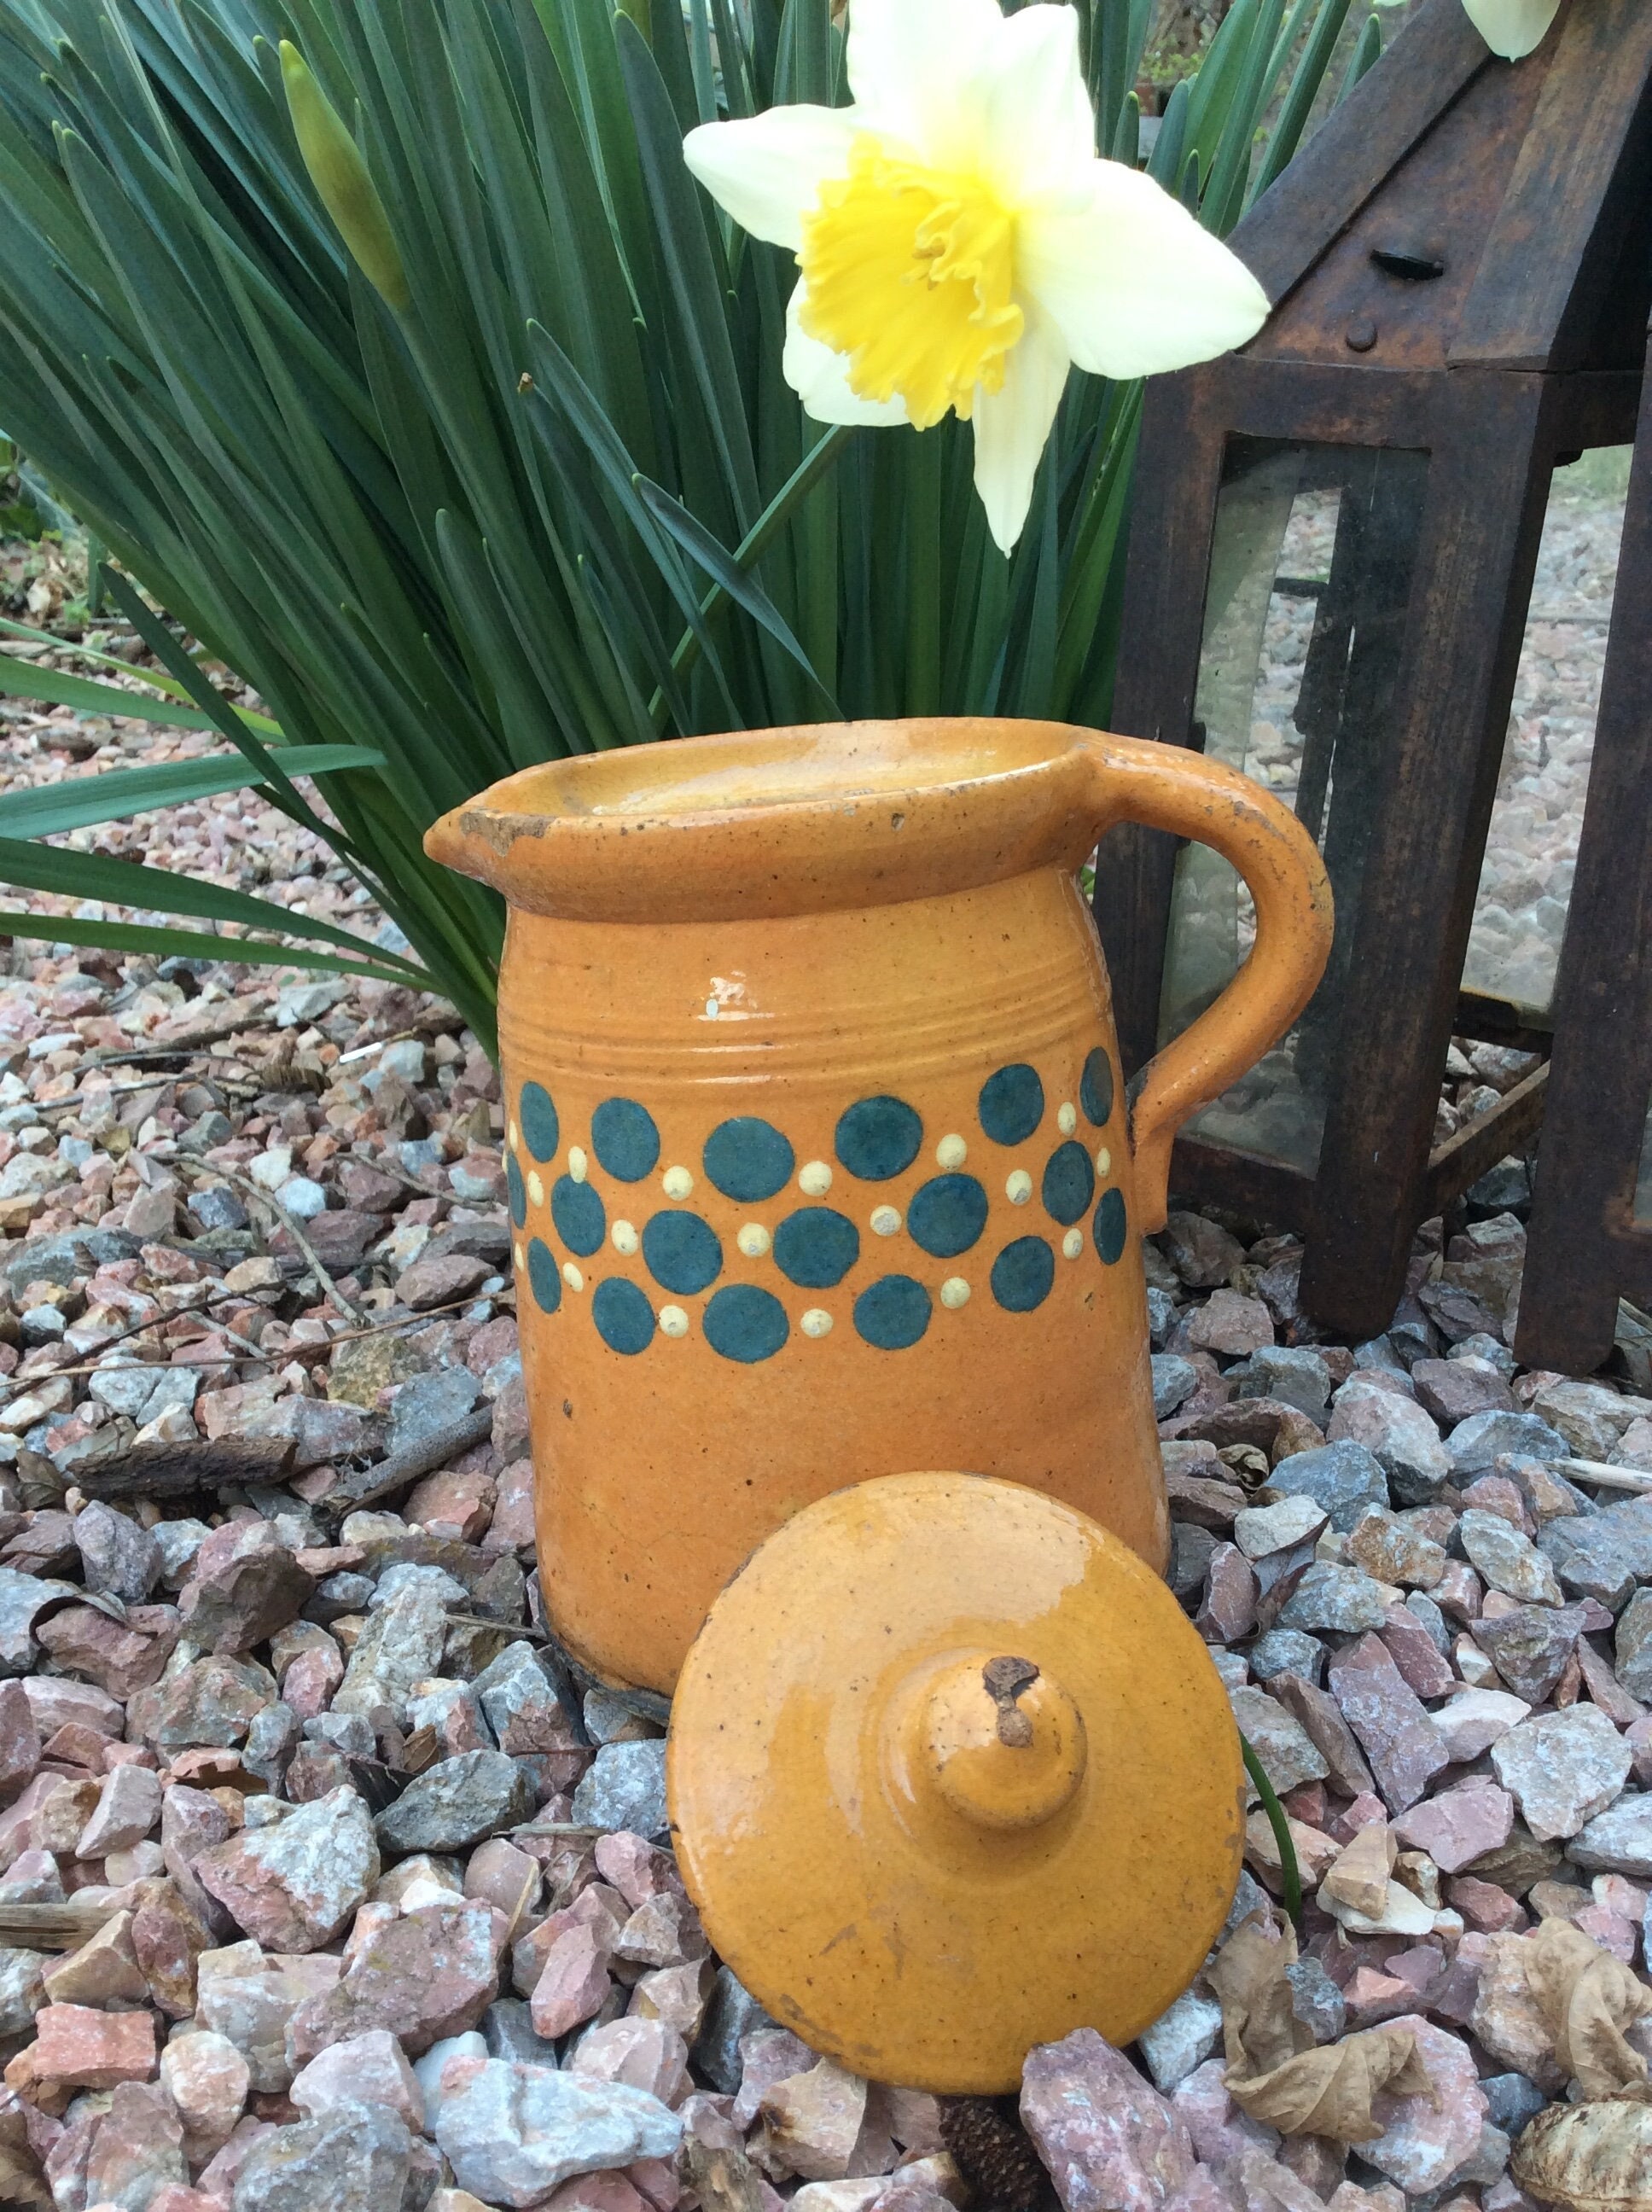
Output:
x,y
456,1803
355,2158
1175,1381
1633,1645
625,1787
1181,2038
1295,1374
1475,1443
1281,1744
117,1557
22,1597
1618,1840
1342,1601
513,2134
1315,2000
1530,1646
401,1645
1344,1478
1562,1768
1601,1555
429,1403
1287,1652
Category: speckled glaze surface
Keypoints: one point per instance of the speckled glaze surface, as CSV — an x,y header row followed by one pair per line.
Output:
x,y
818,1158
951,1774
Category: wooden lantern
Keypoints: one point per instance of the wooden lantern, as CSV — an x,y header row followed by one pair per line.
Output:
x,y
1591,1228
1461,261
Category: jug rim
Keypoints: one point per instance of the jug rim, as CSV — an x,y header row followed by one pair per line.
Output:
x,y
793,820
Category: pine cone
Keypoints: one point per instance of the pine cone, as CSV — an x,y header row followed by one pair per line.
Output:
x,y
993,2154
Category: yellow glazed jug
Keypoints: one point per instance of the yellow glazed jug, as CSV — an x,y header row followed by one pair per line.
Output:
x,y
820,1165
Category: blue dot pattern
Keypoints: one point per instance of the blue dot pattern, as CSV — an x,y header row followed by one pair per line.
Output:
x,y
748,1158
1109,1226
1012,1103
624,1318
815,1247
1022,1273
879,1137
893,1312
544,1277
948,1215
577,1215
745,1323
1095,1087
1069,1184
541,1131
625,1139
681,1252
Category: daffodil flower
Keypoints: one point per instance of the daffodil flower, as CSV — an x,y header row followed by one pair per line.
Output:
x,y
961,245
1512,29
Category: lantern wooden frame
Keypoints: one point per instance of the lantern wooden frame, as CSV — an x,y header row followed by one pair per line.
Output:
x,y
1459,261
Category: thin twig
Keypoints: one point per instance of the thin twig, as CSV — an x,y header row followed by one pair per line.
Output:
x,y
405,1467
296,1230
1607,1477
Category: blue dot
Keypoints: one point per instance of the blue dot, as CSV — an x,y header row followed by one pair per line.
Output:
x,y
1095,1087
892,1312
748,1158
624,1318
516,1190
815,1247
1012,1103
947,1215
681,1252
545,1278
879,1137
1109,1226
577,1214
1069,1183
625,1139
541,1130
745,1323
1022,1273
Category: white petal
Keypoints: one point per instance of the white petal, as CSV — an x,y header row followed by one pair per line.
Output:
x,y
1012,425
913,67
821,379
1512,28
767,170
1037,126
1131,279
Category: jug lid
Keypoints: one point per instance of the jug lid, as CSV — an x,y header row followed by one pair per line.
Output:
x,y
951,1774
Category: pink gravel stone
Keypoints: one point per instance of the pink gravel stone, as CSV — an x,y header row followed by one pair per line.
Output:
x,y
1110,2142
78,2048
1460,1825
573,1983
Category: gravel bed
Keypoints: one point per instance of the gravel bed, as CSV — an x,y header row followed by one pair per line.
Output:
x,y
325,1880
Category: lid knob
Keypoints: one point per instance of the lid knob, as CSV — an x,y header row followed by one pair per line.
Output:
x,y
1002,1742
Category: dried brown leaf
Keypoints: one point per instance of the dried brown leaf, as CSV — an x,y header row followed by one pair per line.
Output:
x,y
1258,2029
1330,2092
1587,1998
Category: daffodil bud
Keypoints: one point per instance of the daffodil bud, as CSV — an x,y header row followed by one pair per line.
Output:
x,y
340,176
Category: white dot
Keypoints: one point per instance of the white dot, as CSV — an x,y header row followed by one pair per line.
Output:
x,y
753,1240
1066,1119
1018,1189
885,1221
815,1323
521,1257
677,1182
571,1276
814,1179
577,1163
955,1292
536,1189
951,1152
513,1135
625,1237
673,1321
1074,1242
1103,1161
712,1009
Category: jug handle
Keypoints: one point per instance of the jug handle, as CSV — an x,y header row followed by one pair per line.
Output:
x,y
1168,787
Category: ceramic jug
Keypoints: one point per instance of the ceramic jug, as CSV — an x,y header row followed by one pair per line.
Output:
x,y
819,1161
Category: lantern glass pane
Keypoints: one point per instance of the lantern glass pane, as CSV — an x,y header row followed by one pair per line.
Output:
x,y
1310,575
1531,846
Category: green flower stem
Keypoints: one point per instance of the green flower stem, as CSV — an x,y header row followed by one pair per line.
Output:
x,y
1281,1828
